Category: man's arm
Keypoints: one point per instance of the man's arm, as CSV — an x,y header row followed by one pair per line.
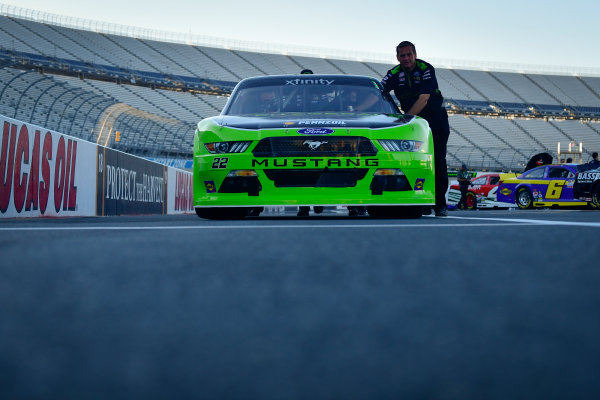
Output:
x,y
419,104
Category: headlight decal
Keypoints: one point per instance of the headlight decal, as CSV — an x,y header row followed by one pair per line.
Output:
x,y
227,147
401,145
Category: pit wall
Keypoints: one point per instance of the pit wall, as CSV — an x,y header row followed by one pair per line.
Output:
x,y
48,174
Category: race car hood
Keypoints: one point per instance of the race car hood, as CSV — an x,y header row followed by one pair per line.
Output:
x,y
370,121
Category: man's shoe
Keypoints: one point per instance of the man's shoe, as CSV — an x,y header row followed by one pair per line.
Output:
x,y
441,211
427,210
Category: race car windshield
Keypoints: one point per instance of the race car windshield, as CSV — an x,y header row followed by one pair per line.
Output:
x,y
277,99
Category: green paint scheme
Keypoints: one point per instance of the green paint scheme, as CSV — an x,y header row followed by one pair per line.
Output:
x,y
413,165
211,170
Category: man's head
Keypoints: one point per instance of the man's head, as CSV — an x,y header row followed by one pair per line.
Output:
x,y
463,167
595,155
406,53
268,101
267,96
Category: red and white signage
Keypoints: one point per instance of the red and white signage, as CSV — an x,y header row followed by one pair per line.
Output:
x,y
180,192
45,173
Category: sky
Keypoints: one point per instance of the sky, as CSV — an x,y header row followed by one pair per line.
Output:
x,y
505,33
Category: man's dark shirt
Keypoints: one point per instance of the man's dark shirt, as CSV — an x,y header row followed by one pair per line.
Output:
x,y
463,174
407,87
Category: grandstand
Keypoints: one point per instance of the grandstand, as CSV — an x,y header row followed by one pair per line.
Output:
x,y
91,83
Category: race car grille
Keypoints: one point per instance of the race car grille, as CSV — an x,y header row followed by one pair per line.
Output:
x,y
323,146
316,177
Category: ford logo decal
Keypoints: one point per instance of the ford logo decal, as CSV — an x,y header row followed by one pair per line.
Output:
x,y
315,131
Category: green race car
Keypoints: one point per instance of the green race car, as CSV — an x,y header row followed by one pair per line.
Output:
x,y
313,140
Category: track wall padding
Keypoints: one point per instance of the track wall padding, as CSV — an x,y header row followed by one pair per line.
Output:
x,y
47,174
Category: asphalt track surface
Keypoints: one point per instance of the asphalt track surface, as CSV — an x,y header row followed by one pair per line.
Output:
x,y
479,305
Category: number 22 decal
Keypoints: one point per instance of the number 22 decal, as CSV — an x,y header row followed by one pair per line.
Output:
x,y
220,162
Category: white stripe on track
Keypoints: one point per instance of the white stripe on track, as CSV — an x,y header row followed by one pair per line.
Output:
x,y
141,228
498,222
534,221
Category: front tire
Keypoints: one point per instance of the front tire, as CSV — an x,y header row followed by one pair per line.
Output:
x,y
524,198
222,213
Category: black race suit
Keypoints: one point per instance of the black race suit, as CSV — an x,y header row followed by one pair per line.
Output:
x,y
407,86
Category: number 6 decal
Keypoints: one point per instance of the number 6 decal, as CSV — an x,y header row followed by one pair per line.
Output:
x,y
554,189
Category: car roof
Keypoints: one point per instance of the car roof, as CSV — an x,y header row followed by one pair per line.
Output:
x,y
568,166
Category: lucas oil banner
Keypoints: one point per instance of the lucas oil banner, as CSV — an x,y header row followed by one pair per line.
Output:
x,y
47,174
44,173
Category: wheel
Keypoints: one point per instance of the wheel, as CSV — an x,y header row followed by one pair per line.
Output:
x,y
255,211
596,196
471,201
524,198
222,213
395,211
357,211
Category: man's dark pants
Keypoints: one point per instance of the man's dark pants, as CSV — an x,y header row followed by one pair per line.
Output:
x,y
463,196
441,131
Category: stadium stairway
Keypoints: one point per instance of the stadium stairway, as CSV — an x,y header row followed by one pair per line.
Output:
x,y
49,46
205,54
457,74
558,101
97,55
475,146
173,61
511,90
240,55
591,89
494,134
558,128
520,128
131,54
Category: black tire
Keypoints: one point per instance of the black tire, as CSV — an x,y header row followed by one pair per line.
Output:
x,y
406,212
524,198
222,213
255,211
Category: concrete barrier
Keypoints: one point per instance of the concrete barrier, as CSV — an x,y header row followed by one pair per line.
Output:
x,y
48,174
